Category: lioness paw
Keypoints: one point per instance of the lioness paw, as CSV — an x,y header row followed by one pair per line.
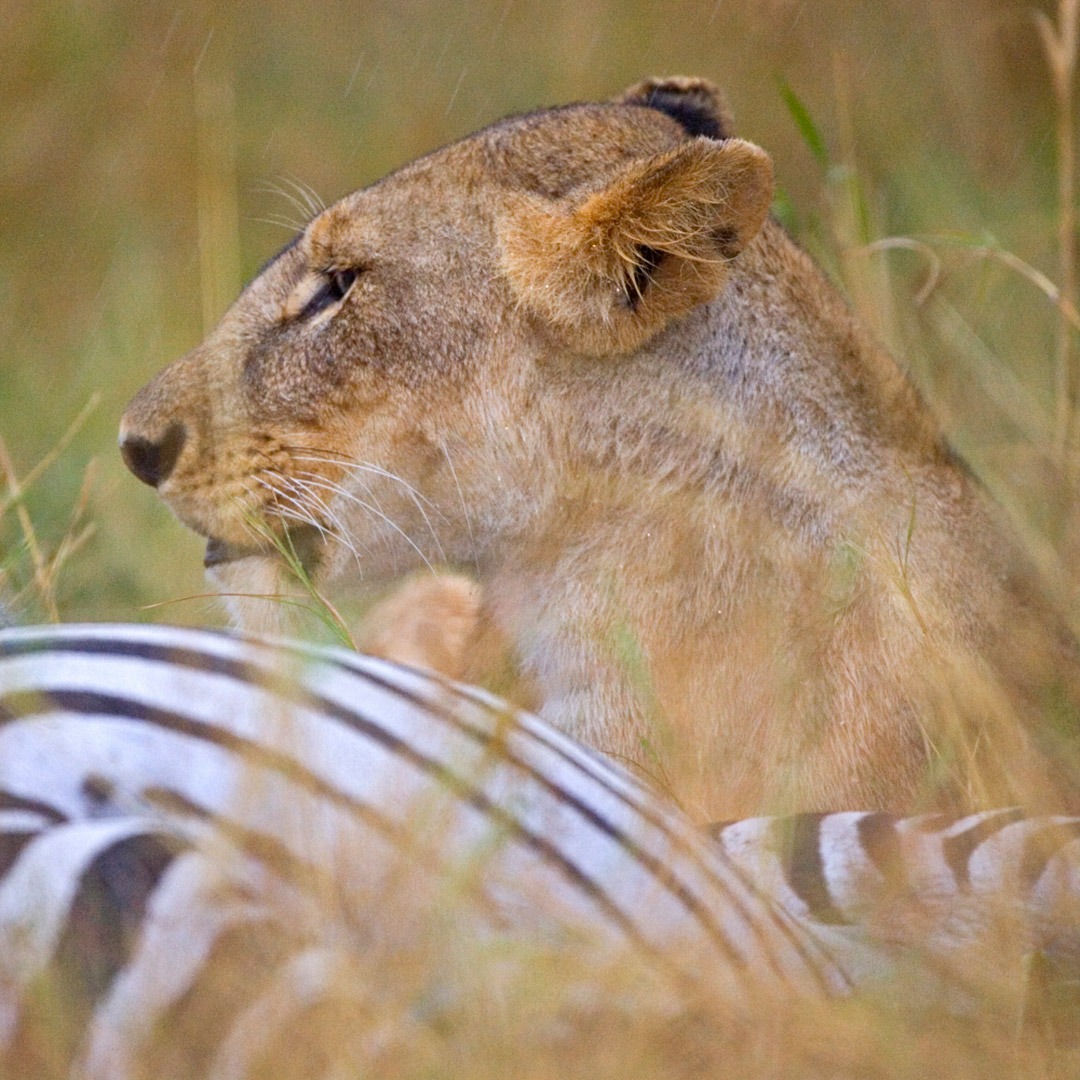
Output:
x,y
427,622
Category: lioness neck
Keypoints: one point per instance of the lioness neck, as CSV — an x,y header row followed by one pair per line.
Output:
x,y
742,513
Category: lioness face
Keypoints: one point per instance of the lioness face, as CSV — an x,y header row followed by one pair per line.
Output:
x,y
385,394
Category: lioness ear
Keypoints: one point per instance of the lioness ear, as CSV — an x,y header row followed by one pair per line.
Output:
x,y
656,241
697,104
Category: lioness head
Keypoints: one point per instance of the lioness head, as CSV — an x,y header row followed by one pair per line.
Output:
x,y
374,391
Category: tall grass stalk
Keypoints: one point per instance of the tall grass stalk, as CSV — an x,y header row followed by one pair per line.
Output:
x,y
1060,45
45,568
216,199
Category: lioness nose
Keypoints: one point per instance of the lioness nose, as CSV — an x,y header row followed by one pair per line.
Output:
x,y
152,461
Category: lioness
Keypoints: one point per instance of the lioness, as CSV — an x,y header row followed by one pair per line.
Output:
x,y
716,526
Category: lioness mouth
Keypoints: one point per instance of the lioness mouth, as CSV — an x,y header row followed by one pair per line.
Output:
x,y
220,552
304,541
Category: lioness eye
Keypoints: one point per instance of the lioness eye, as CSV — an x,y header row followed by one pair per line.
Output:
x,y
334,288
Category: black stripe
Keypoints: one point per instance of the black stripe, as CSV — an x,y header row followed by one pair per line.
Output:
x,y
488,739
643,807
12,842
267,849
87,702
959,848
10,801
1041,845
180,655
635,801
188,1034
800,838
192,659
276,856
880,842
690,901
661,871
106,915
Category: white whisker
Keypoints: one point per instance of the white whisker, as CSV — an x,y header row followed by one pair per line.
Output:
x,y
282,222
299,513
301,205
464,507
301,483
348,495
250,511
329,485
341,534
303,196
313,199
359,466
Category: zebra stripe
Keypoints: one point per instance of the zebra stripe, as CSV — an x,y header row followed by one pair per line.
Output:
x,y
625,864
943,885
176,805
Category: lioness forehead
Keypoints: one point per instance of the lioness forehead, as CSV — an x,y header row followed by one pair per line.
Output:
x,y
554,152
551,152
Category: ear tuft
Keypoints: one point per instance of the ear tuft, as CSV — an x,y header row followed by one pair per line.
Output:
x,y
697,104
611,271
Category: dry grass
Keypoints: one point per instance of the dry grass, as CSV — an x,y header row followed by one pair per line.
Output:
x,y
445,1005
39,592
933,172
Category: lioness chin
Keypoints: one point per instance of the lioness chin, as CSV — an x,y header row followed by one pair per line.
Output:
x,y
716,527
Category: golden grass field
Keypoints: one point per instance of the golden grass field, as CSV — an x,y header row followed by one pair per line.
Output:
x,y
153,155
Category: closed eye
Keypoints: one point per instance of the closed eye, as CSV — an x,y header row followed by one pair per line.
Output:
x,y
332,290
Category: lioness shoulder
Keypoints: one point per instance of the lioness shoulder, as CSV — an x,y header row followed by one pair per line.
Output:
x,y
573,357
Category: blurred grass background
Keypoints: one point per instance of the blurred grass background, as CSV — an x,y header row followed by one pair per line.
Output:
x,y
149,153
152,154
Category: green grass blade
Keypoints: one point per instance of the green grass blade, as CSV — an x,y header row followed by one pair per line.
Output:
x,y
805,123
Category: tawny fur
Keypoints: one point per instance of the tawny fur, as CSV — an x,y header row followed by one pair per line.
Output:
x,y
717,528
429,622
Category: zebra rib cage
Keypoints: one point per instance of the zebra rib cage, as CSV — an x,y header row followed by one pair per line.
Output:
x,y
209,843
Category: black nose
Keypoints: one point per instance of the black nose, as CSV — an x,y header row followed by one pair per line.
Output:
x,y
152,461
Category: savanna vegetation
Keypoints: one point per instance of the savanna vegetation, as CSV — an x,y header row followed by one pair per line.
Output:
x,y
152,156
